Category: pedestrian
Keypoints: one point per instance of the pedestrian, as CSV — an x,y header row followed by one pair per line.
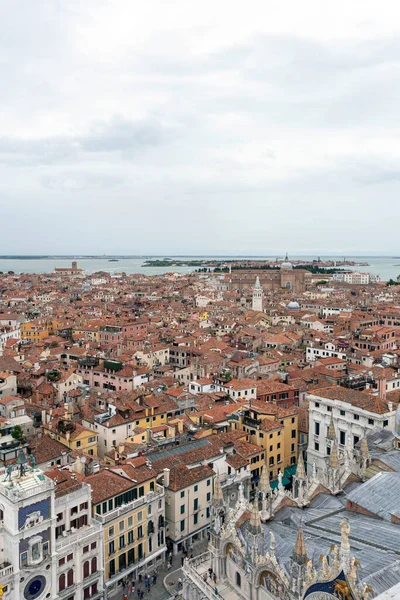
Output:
x,y
169,566
179,583
216,591
125,597
215,578
210,571
182,561
140,578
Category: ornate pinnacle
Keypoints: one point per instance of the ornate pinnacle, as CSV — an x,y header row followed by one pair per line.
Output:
x,y
300,551
264,485
331,430
218,497
333,459
300,472
255,522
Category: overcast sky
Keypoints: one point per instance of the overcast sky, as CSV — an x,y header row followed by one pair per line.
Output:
x,y
183,127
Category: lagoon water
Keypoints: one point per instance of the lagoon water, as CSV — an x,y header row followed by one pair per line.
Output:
x,y
384,266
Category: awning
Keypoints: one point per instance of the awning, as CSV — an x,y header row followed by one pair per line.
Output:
x,y
289,471
274,484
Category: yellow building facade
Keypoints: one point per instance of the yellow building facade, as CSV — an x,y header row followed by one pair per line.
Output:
x,y
132,516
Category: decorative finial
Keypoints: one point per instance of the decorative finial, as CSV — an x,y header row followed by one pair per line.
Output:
x,y
331,430
300,472
300,552
333,459
255,522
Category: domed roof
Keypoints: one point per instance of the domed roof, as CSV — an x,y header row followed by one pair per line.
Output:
x,y
293,305
397,424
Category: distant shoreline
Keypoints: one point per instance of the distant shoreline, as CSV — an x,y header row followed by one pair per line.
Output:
x,y
170,256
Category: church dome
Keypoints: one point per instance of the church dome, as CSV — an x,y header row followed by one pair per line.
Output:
x,y
397,424
293,305
287,265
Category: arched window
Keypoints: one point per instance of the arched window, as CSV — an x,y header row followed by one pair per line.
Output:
x,y
61,583
70,578
238,579
86,569
94,565
150,527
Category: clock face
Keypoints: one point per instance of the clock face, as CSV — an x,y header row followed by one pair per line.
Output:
x,y
35,587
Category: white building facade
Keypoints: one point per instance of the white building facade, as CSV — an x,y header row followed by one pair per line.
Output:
x,y
349,420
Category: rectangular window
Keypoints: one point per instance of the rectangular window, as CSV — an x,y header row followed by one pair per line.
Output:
x,y
293,433
208,482
111,531
316,446
130,521
111,548
121,525
329,408
385,423
183,494
278,458
195,504
356,417
121,542
343,412
195,519
130,537
183,525
208,496
139,516
196,488
140,531
316,428
182,509
342,437
370,421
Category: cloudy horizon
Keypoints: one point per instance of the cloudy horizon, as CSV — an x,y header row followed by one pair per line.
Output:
x,y
199,129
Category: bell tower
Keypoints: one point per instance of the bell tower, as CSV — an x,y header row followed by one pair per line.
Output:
x,y
258,296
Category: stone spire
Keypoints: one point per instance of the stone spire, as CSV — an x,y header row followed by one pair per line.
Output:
x,y
331,430
300,472
300,552
255,523
264,485
364,450
333,459
218,498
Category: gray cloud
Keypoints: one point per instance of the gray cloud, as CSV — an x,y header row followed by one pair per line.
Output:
x,y
210,130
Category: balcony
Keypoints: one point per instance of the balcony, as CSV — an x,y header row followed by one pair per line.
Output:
x,y
251,422
6,570
126,508
79,535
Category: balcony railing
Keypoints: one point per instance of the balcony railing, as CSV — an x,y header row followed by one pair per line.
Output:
x,y
251,422
190,570
81,534
5,571
117,512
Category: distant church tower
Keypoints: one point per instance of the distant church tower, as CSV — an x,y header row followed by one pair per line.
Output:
x,y
258,296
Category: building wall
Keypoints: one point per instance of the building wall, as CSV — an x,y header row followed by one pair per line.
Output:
x,y
182,526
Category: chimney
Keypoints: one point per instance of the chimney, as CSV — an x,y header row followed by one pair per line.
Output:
x,y
166,478
382,388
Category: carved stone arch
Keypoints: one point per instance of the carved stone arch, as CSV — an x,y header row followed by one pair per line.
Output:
x,y
276,584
